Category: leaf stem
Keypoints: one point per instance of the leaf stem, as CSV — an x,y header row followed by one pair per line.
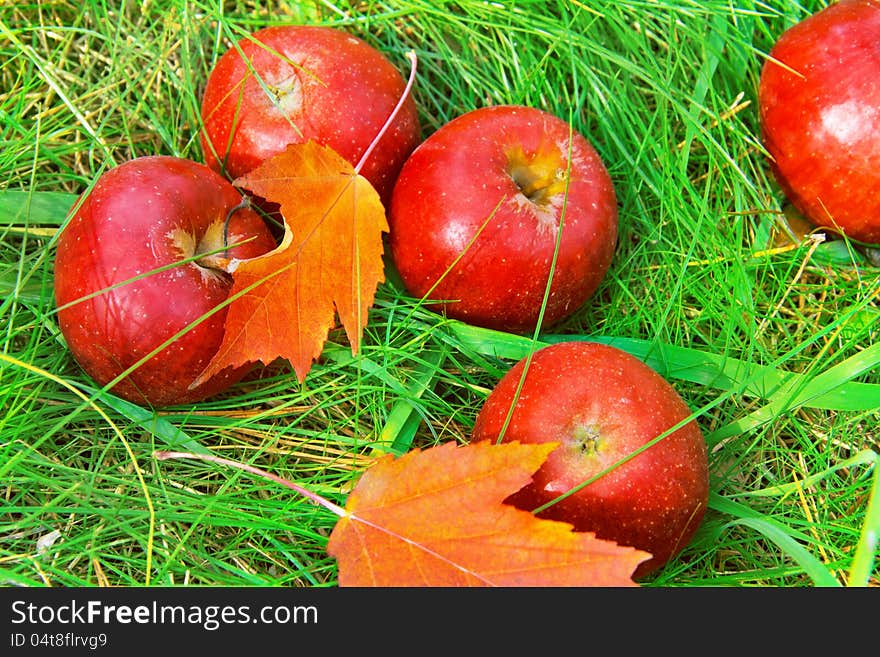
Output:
x,y
314,497
411,55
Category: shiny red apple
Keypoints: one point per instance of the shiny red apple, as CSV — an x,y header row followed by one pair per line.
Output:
x,y
478,208
293,83
819,99
122,290
601,405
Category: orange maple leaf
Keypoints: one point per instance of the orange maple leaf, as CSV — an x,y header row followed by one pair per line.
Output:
x,y
437,518
329,262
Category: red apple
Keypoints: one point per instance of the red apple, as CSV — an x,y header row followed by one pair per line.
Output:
x,y
477,209
145,214
295,83
601,404
819,99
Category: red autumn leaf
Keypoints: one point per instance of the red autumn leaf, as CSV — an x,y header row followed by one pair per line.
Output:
x,y
329,261
437,518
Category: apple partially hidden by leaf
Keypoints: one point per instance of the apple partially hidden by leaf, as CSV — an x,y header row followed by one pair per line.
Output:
x,y
602,405
329,262
139,264
289,84
819,99
478,208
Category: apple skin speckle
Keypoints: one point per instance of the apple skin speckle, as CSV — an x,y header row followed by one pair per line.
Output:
x,y
129,319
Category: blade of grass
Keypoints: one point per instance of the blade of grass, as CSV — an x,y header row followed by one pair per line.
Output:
x,y
834,391
828,390
784,537
165,431
149,550
404,419
866,554
37,208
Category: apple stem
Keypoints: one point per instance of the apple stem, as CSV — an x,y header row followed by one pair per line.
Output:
x,y
411,55
242,205
314,497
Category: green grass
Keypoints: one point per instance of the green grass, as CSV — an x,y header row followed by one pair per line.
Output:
x,y
773,344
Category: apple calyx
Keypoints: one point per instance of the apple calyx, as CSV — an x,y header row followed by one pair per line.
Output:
x,y
211,253
587,439
288,94
540,177
207,254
